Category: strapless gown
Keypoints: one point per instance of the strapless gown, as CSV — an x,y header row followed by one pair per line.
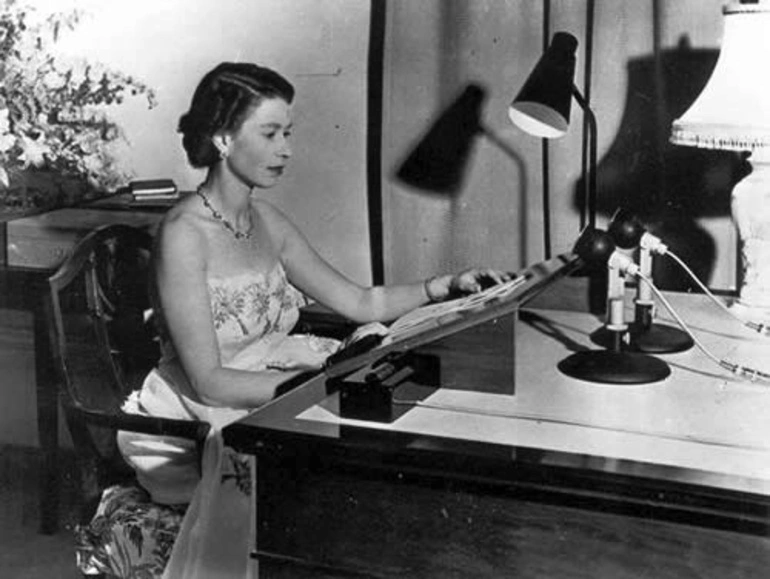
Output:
x,y
253,316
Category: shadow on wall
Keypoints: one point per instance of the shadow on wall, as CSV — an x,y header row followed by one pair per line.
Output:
x,y
668,186
439,161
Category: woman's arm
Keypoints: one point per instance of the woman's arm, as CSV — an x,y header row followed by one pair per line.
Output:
x,y
313,275
182,289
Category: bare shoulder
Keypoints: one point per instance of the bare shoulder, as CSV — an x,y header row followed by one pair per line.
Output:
x,y
182,231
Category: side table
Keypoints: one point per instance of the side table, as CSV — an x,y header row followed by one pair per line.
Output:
x,y
31,248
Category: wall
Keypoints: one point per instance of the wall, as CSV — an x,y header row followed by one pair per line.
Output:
x,y
495,215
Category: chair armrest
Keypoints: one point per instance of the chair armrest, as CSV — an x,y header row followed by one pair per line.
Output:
x,y
321,321
196,430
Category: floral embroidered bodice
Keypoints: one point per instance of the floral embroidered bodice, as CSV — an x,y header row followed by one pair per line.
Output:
x,y
252,311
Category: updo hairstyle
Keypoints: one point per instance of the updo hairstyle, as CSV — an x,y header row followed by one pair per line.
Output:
x,y
222,101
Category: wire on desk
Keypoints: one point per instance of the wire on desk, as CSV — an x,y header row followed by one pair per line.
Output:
x,y
763,329
741,371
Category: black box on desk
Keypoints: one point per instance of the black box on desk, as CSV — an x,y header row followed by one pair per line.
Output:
x,y
388,388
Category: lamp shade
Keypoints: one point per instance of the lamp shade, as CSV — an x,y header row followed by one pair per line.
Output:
x,y
733,110
542,107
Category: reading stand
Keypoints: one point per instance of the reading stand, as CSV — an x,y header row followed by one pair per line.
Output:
x,y
464,343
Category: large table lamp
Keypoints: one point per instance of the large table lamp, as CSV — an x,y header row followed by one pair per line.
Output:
x,y
733,113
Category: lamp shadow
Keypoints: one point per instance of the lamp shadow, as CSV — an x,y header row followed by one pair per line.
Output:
x,y
668,187
440,160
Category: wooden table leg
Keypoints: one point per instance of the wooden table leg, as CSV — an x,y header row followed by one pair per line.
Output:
x,y
47,417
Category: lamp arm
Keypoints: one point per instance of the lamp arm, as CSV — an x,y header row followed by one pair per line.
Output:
x,y
590,193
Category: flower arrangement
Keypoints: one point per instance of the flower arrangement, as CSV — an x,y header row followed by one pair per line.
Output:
x,y
57,142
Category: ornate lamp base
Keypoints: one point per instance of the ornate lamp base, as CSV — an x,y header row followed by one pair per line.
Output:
x,y
751,214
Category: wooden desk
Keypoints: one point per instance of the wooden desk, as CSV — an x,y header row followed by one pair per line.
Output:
x,y
563,479
32,248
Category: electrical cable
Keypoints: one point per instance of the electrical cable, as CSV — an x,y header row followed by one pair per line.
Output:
x,y
742,371
760,328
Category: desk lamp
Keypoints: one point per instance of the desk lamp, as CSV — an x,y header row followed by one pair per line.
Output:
x,y
614,365
542,107
645,335
733,113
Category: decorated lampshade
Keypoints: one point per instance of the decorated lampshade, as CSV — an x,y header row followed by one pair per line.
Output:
x,y
733,111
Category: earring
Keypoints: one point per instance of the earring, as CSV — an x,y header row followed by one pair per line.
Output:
x,y
220,147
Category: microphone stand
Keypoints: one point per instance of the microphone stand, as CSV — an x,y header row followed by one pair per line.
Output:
x,y
614,365
645,335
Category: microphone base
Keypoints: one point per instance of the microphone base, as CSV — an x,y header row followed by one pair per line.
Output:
x,y
659,339
651,339
611,367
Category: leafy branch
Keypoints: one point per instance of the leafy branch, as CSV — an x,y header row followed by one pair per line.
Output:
x,y
54,114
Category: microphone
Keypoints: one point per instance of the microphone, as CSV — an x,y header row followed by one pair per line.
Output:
x,y
645,335
616,364
627,232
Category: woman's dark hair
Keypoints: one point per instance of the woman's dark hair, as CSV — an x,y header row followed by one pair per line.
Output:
x,y
221,102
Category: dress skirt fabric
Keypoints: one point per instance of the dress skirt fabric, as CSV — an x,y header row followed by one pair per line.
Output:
x,y
215,537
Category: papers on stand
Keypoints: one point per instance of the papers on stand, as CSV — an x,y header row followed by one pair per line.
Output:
x,y
420,317
373,334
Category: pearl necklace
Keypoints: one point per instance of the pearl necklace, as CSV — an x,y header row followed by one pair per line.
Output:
x,y
219,217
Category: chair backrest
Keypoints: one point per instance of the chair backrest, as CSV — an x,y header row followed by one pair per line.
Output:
x,y
102,340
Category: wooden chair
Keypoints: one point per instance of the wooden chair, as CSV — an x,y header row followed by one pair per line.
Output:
x,y
104,345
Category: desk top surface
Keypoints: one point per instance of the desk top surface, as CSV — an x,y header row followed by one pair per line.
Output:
x,y
701,425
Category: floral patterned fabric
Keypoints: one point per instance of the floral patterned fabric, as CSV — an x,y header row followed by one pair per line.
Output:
x,y
129,536
132,536
253,313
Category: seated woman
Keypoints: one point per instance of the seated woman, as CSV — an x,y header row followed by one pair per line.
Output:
x,y
231,273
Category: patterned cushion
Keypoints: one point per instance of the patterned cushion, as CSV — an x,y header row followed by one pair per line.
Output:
x,y
129,536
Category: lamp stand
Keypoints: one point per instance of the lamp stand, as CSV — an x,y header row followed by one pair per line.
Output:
x,y
751,214
589,200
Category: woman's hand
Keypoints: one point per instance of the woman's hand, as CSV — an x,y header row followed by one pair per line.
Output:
x,y
302,352
466,282
303,364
